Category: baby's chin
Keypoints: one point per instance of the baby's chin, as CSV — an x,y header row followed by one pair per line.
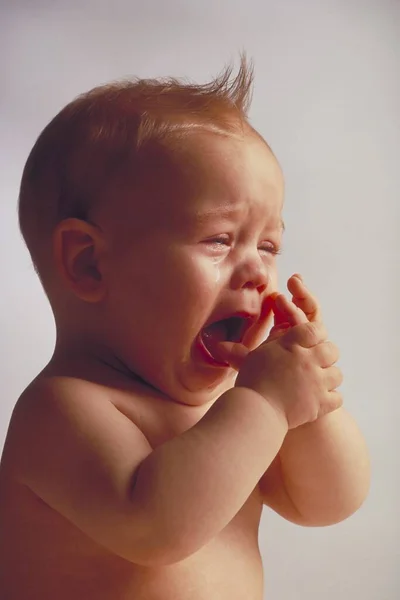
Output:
x,y
194,393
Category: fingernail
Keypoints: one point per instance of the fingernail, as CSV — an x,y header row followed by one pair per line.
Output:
x,y
299,277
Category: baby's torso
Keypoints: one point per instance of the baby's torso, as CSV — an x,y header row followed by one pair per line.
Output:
x,y
43,556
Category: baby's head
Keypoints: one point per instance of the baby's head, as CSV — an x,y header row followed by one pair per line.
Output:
x,y
152,212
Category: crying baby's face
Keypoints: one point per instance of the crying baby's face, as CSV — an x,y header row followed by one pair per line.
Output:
x,y
192,265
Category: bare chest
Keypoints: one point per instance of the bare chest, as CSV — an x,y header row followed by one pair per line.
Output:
x,y
161,422
43,556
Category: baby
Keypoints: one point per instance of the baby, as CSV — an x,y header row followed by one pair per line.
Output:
x,y
137,463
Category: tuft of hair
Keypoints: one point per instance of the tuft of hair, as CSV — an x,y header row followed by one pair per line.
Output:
x,y
101,135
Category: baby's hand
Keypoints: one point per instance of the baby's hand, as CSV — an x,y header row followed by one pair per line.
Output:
x,y
295,372
302,308
294,368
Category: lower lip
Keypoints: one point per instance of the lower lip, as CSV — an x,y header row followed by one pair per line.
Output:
x,y
206,356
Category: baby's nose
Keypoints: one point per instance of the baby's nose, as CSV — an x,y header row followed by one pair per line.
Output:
x,y
251,273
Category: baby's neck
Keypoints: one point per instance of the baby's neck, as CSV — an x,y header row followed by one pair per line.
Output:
x,y
93,362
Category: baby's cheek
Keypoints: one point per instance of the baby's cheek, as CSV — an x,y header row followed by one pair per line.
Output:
x,y
199,285
211,274
274,280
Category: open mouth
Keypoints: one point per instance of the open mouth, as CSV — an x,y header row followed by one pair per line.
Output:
x,y
231,329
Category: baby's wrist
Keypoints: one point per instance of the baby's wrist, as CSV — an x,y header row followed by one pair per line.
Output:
x,y
268,404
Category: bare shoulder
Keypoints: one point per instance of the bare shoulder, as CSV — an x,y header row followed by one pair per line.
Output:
x,y
66,436
71,446
37,404
57,391
63,413
42,400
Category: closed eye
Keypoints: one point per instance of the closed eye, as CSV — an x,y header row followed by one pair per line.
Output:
x,y
271,249
218,241
221,241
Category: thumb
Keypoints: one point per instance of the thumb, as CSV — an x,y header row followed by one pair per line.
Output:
x,y
232,353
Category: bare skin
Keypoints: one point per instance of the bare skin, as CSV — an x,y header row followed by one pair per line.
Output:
x,y
45,555
134,467
37,538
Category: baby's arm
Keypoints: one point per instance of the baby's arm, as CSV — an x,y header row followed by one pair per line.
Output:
x,y
90,463
324,469
322,473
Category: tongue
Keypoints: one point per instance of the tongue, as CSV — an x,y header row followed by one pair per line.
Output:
x,y
215,338
212,337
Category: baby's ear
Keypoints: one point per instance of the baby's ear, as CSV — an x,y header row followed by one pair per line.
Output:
x,y
77,247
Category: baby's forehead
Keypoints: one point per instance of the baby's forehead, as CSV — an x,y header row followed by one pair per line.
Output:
x,y
228,166
215,160
203,176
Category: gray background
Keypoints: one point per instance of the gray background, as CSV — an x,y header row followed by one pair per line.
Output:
x,y
327,99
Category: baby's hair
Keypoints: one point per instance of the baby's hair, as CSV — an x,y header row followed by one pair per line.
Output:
x,y
89,144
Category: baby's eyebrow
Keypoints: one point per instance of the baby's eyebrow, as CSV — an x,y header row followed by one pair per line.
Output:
x,y
211,214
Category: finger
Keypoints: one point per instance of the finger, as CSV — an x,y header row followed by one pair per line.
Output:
x,y
333,377
285,310
257,333
306,334
279,311
304,299
232,353
267,308
326,354
309,307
